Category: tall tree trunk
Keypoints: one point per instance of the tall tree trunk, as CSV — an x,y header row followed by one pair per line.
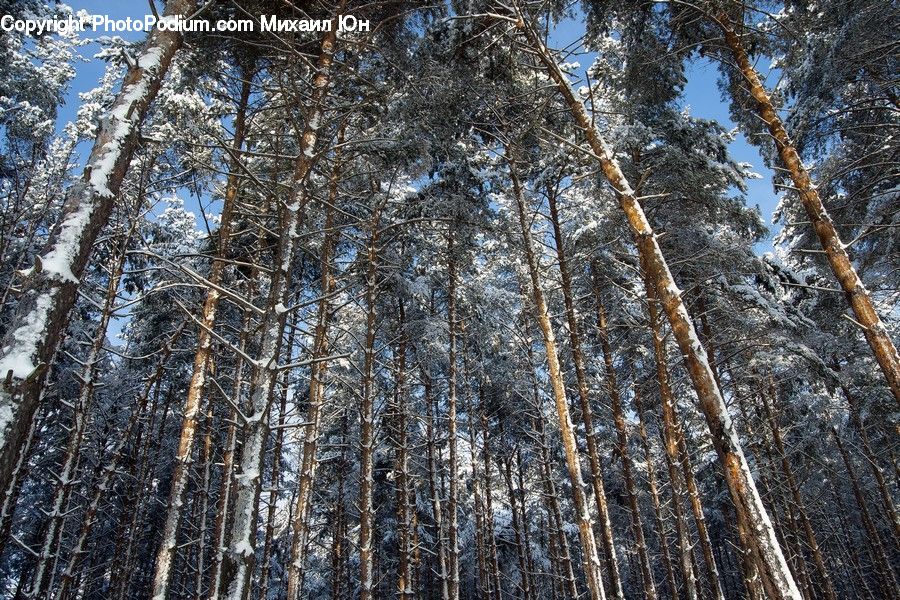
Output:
x,y
276,469
433,466
567,429
852,549
318,369
818,559
223,502
482,584
205,460
493,555
612,389
339,520
400,439
44,570
654,497
518,524
676,450
835,251
883,566
110,469
758,534
367,419
452,498
551,498
197,385
586,411
237,566
50,289
526,535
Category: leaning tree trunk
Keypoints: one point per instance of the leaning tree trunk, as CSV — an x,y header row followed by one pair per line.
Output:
x,y
835,251
591,559
551,498
50,289
654,496
50,549
586,411
758,534
202,357
793,487
668,414
110,469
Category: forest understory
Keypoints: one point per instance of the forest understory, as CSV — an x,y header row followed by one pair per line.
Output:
x,y
432,310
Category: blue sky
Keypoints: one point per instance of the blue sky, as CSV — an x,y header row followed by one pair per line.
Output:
x,y
701,94
704,99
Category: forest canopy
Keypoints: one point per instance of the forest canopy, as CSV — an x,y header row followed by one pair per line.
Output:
x,y
430,304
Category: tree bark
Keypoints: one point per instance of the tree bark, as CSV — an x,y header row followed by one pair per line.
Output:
x,y
452,498
622,449
433,465
758,534
818,558
276,471
50,290
400,440
205,460
587,418
567,428
482,583
493,557
367,418
654,497
339,520
318,369
202,357
835,251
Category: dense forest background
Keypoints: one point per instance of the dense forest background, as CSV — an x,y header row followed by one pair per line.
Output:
x,y
433,311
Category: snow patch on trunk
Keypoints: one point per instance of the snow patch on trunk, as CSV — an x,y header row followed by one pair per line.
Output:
x,y
20,357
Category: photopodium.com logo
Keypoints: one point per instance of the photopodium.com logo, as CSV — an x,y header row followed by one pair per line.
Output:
x,y
105,24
